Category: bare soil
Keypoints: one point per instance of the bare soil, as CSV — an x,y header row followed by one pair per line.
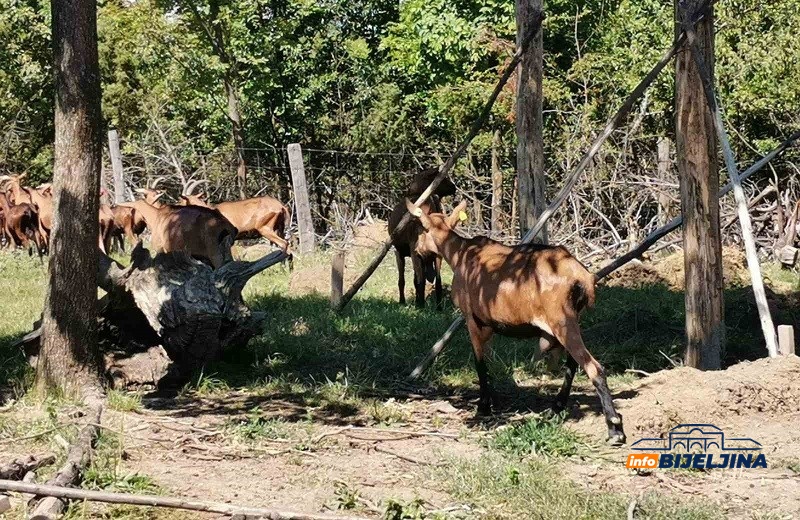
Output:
x,y
669,271
759,399
187,456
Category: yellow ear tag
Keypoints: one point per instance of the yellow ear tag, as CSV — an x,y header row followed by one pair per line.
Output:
x,y
462,216
417,212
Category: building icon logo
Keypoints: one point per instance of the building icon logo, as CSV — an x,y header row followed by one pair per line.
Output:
x,y
687,446
688,437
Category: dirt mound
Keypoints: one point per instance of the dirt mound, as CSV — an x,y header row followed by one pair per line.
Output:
x,y
669,271
371,236
758,399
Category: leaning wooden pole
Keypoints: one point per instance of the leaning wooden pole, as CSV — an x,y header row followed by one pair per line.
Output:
x,y
613,123
753,265
65,493
444,170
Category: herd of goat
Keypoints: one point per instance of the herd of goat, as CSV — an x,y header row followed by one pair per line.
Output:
x,y
524,291
205,231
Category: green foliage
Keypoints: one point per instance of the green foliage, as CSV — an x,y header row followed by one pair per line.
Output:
x,y
255,426
124,401
544,436
512,489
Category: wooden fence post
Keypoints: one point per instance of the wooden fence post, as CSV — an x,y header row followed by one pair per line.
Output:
x,y
785,340
337,278
116,166
302,205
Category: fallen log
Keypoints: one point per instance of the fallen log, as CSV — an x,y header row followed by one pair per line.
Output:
x,y
172,301
60,493
71,472
17,469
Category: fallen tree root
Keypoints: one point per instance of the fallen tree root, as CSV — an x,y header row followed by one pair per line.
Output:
x,y
70,473
19,468
60,493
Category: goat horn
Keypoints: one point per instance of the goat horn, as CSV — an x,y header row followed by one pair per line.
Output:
x,y
156,181
192,185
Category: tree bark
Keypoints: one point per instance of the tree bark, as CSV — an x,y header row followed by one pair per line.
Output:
x,y
68,358
699,179
497,183
530,143
230,79
235,115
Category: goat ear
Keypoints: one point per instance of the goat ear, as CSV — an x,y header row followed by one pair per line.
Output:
x,y
140,190
458,215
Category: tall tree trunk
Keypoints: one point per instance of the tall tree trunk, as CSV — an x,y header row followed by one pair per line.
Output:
x,y
230,80
68,357
699,180
530,144
497,182
235,115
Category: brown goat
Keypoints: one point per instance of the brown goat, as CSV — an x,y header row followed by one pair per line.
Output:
x,y
524,291
21,225
151,196
40,198
202,232
264,216
414,243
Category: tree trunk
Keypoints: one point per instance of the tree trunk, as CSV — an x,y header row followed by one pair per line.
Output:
x,y
699,181
230,80
530,143
497,183
664,165
68,358
235,115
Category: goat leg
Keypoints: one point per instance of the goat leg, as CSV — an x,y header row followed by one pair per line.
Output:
x,y
419,279
563,395
480,336
401,275
438,282
569,335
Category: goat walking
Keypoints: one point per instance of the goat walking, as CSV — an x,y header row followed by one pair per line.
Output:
x,y
525,291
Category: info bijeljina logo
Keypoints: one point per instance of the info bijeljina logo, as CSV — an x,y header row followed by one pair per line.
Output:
x,y
701,446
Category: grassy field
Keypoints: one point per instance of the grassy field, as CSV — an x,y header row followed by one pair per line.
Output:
x,y
349,364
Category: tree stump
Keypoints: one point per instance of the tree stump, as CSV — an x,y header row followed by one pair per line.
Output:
x,y
174,302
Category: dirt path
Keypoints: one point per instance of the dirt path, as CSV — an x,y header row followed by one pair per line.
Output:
x,y
308,467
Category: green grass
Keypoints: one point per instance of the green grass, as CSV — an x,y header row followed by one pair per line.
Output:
x,y
499,487
23,281
124,401
546,436
335,367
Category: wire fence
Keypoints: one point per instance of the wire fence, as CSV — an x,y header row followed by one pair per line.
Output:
x,y
630,190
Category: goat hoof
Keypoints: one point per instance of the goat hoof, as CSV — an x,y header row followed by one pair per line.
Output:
x,y
616,438
558,406
484,409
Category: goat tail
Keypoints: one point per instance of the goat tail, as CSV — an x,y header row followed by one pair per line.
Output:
x,y
582,294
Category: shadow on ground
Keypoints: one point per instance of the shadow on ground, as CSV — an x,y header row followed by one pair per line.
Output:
x,y
369,350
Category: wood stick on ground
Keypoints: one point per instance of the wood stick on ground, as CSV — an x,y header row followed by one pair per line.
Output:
x,y
51,507
61,493
767,327
20,467
535,26
405,457
616,120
